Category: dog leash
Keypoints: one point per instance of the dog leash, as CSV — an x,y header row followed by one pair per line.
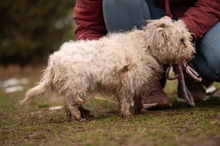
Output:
x,y
181,79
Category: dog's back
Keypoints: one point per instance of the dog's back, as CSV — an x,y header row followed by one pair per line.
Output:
x,y
80,66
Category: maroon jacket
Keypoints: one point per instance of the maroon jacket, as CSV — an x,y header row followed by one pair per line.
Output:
x,y
199,16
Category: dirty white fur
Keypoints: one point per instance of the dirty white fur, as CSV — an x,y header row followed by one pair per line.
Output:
x,y
126,64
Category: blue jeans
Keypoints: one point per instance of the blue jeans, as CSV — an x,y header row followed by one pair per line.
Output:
x,y
124,15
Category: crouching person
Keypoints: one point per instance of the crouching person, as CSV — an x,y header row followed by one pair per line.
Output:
x,y
96,18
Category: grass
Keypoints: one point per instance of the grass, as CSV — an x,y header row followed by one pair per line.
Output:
x,y
34,124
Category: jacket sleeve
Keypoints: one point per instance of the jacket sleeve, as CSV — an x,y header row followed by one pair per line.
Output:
x,y
89,19
202,16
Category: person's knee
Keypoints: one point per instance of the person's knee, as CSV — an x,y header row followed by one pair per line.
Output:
x,y
125,15
207,58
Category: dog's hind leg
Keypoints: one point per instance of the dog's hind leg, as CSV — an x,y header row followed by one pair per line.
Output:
x,y
73,108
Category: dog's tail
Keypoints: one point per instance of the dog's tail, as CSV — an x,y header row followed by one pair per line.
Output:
x,y
43,86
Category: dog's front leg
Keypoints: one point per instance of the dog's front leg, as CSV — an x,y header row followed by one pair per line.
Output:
x,y
125,105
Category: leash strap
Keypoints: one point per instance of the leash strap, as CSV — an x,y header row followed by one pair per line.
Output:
x,y
180,76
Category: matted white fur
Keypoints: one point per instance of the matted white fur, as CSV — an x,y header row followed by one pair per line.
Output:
x,y
125,64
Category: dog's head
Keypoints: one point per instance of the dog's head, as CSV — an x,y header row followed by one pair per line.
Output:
x,y
169,41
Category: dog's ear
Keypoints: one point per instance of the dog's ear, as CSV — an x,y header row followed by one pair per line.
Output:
x,y
162,25
162,22
159,37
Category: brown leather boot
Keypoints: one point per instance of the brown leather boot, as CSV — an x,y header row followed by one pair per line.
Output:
x,y
158,99
196,88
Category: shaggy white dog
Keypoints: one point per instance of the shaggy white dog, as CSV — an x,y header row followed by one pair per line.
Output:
x,y
126,64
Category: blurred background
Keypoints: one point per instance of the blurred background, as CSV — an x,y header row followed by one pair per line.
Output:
x,y
32,29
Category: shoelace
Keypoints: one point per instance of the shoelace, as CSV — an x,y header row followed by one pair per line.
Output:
x,y
189,70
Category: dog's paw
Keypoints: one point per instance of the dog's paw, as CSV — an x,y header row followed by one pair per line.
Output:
x,y
71,118
126,115
72,114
